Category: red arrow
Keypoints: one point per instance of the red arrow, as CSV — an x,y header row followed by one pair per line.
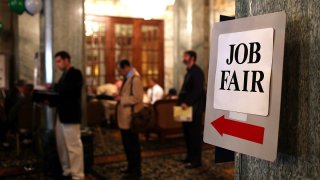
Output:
x,y
238,129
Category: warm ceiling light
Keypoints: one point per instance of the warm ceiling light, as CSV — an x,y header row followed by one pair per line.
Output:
x,y
146,9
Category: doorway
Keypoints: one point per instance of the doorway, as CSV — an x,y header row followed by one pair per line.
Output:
x,y
110,39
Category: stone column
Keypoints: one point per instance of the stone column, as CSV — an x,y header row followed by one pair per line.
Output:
x,y
191,31
62,28
68,31
68,35
299,136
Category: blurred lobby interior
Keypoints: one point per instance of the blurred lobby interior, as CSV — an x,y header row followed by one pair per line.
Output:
x,y
152,34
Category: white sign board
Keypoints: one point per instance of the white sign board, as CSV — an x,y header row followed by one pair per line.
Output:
x,y
243,71
244,85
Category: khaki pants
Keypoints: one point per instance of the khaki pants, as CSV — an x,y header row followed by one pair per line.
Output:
x,y
70,151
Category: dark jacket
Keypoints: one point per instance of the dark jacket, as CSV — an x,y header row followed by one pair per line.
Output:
x,y
68,101
192,91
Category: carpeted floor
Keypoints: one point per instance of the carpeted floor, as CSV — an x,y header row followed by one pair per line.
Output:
x,y
160,161
113,142
169,167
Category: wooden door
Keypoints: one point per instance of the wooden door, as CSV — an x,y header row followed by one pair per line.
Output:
x,y
139,41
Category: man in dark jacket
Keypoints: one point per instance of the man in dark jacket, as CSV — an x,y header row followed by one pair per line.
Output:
x,y
192,95
68,104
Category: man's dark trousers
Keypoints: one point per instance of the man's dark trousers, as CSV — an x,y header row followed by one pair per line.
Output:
x,y
131,146
193,137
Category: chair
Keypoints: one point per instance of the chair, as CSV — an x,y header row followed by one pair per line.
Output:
x,y
95,112
3,119
163,117
109,110
28,119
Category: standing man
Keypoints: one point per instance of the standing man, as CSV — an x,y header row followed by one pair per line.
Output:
x,y
192,95
129,100
155,91
68,103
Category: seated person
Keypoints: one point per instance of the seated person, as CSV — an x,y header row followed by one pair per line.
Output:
x,y
110,89
14,100
145,100
106,93
27,124
172,94
155,91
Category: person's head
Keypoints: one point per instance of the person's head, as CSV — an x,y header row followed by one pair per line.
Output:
x,y
152,82
189,58
63,60
145,89
29,89
124,67
172,92
21,85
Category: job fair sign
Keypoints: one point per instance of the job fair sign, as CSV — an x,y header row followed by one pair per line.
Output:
x,y
243,71
244,85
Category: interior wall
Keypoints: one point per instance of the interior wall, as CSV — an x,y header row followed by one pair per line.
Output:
x,y
68,31
19,41
221,7
168,50
299,133
29,44
7,39
191,32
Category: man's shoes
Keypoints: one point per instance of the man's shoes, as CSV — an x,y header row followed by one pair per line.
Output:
x,y
5,145
193,165
26,141
124,171
184,161
62,177
132,175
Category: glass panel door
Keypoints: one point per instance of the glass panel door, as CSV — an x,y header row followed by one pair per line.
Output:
x,y
149,53
95,54
123,44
